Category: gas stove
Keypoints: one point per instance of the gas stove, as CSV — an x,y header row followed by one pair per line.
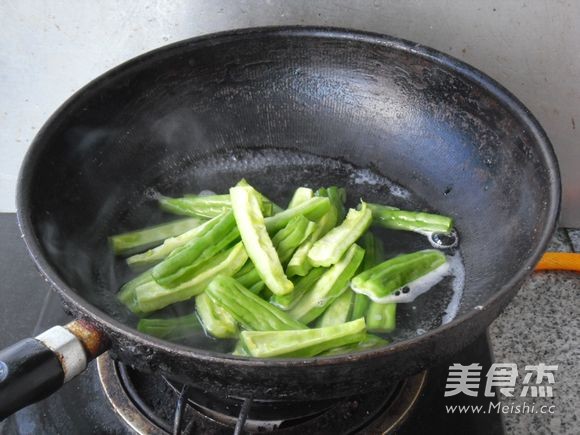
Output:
x,y
112,398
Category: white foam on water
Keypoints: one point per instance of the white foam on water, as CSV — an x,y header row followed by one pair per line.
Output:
x,y
453,266
398,191
206,193
366,176
457,270
416,288
428,234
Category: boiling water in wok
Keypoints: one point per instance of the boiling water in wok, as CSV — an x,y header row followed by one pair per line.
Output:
x,y
276,173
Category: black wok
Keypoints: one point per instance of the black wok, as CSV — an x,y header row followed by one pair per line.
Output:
x,y
285,107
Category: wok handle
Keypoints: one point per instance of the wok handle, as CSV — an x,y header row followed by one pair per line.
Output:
x,y
34,368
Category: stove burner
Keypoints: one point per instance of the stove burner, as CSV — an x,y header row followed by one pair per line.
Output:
x,y
151,404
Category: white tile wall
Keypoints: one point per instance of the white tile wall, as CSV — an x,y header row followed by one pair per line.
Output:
x,y
48,49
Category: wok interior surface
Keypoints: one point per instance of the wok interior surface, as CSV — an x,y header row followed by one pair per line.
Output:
x,y
288,108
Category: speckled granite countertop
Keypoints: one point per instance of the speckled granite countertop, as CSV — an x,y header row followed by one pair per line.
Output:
x,y
542,325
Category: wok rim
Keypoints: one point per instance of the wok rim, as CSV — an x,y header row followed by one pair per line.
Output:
x,y
106,322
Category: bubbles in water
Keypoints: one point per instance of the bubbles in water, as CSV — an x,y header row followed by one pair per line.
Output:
x,y
151,193
457,270
366,176
206,193
420,331
442,240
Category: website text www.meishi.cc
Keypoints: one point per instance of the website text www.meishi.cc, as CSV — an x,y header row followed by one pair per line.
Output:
x,y
501,407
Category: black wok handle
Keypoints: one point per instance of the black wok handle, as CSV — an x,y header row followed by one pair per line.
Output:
x,y
34,368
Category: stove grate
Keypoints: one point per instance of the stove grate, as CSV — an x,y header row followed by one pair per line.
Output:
x,y
151,404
